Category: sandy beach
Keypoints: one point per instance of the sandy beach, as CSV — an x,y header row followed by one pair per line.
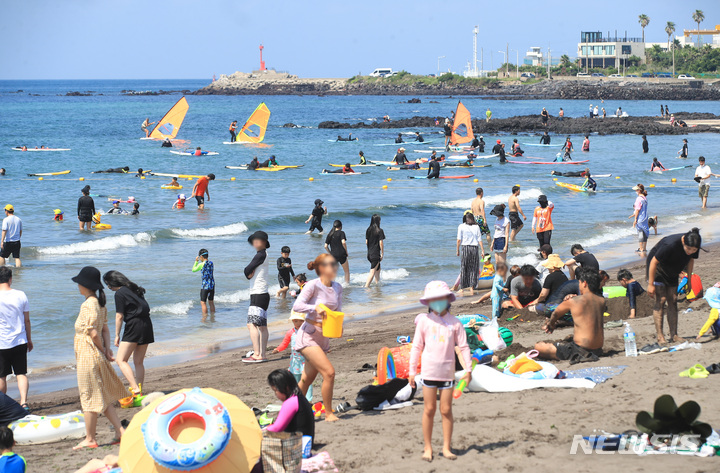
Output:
x,y
524,431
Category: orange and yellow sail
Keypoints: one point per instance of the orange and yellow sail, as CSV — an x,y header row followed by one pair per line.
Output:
x,y
169,126
253,131
462,131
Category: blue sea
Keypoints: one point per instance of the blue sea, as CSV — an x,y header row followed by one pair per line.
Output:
x,y
157,248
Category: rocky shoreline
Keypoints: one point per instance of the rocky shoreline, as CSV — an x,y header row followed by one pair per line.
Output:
x,y
533,124
585,89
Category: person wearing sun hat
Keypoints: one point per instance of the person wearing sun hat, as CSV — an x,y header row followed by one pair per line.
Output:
x,y
552,282
297,361
12,229
58,215
437,335
257,273
99,385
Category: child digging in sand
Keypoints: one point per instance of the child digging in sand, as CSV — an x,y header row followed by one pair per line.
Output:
x,y
633,287
437,334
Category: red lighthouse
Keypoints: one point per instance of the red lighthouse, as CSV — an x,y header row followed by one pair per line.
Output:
x,y
262,63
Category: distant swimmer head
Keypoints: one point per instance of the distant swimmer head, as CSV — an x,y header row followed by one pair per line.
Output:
x,y
2,171
126,168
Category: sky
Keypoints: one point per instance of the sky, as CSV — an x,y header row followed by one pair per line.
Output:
x,y
185,39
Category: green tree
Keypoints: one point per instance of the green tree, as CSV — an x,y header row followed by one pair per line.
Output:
x,y
698,18
669,29
644,20
564,60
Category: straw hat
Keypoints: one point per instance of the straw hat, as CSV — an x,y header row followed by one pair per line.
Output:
x,y
553,262
437,290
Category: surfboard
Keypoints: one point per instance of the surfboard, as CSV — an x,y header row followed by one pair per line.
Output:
x,y
460,158
274,168
41,149
660,171
551,162
60,173
574,187
594,176
179,176
355,165
406,143
540,144
189,153
468,167
345,141
324,173
444,177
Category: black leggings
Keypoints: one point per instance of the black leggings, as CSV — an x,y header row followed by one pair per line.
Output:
x,y
544,237
233,136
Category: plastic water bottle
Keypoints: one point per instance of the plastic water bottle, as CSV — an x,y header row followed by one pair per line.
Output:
x,y
630,345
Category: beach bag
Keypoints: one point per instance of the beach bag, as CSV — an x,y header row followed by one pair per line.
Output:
x,y
490,336
371,396
281,452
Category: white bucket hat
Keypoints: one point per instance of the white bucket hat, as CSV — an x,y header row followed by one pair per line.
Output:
x,y
437,290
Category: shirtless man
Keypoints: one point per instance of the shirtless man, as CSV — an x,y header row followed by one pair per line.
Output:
x,y
587,313
478,210
514,213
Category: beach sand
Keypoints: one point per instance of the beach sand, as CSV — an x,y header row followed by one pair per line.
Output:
x,y
524,431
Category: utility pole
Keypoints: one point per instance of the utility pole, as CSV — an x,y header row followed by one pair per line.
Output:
x,y
507,55
438,68
548,64
505,60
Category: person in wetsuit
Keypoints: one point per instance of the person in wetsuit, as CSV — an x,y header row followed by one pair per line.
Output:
x,y
447,130
123,170
684,151
545,139
167,143
399,139
85,209
400,157
516,150
467,163
657,165
344,170
268,163
349,138
363,161
589,181
254,164
645,144
419,138
499,149
433,169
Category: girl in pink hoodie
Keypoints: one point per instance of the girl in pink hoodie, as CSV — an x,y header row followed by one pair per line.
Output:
x,y
437,334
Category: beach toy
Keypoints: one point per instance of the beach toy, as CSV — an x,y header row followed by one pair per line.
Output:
x,y
394,363
402,339
212,430
524,364
694,290
194,407
612,292
504,364
547,370
385,366
45,429
477,357
171,187
318,409
332,326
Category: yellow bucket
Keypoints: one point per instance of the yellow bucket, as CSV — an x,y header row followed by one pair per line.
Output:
x,y
333,324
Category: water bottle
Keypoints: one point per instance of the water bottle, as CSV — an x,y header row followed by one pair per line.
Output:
x,y
630,345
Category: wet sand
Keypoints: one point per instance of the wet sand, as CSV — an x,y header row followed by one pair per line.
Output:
x,y
524,431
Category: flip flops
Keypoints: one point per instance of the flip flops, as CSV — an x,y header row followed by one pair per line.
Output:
x,y
695,372
651,349
714,368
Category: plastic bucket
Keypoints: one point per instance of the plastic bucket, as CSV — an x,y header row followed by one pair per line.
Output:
x,y
332,326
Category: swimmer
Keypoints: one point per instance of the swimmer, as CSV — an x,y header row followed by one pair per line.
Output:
x,y
167,143
173,183
123,170
683,153
58,217
419,138
363,161
116,209
515,148
139,172
136,209
345,170
657,165
180,202
269,163
399,139
254,164
586,143
316,217
653,223
2,171
589,183
545,138
433,169
199,152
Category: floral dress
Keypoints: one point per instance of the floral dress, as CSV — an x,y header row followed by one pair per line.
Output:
x,y
98,383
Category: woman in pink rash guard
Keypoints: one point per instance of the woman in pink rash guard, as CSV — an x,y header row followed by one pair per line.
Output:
x,y
296,413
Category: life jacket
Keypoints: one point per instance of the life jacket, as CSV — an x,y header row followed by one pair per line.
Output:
x,y
198,152
180,204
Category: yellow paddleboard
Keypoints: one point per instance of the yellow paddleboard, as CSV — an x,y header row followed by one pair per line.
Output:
x,y
573,187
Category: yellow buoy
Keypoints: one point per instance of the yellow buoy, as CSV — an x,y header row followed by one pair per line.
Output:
x,y
82,179
554,178
674,180
617,177
40,178
475,180
232,178
389,179
189,178
652,185
142,177
385,187
311,179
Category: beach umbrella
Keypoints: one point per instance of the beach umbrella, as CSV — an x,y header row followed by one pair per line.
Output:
x,y
240,455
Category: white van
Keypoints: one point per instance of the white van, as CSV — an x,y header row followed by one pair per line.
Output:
x,y
381,72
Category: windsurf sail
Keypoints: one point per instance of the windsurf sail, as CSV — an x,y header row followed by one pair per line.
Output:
x,y
169,126
462,131
253,131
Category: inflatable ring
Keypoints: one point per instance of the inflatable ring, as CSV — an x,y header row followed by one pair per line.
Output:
x,y
191,405
102,226
385,366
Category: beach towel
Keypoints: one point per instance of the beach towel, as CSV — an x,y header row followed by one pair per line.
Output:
x,y
598,374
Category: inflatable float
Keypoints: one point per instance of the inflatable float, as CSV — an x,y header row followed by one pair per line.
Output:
x,y
175,188
611,292
394,363
32,430
487,379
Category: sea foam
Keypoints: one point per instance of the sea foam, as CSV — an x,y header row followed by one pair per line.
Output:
x,y
224,230
102,244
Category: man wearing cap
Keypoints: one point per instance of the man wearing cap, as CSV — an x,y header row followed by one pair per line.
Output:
x,y
11,234
85,209
514,212
15,339
201,188
542,225
499,149
316,217
257,273
400,157
702,177
554,280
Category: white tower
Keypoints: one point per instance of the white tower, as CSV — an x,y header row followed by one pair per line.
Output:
x,y
475,69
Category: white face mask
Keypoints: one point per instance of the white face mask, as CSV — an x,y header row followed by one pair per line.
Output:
x,y
439,306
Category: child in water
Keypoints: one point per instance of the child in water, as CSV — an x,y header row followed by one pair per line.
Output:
x,y
300,280
173,183
297,361
207,290
58,215
180,202
633,287
136,209
437,334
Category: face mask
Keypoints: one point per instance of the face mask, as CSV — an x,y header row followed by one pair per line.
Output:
x,y
438,306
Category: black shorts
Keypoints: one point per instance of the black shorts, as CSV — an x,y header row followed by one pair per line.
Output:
x,y
575,353
200,199
283,280
515,221
429,383
341,259
374,262
257,312
13,360
207,295
10,248
316,224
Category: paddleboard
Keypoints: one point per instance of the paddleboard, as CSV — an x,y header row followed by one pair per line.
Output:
x,y
444,177
660,171
400,145
355,165
594,176
274,168
179,176
43,149
574,187
344,141
460,158
467,167
188,153
551,162
324,173
452,148
49,173
539,144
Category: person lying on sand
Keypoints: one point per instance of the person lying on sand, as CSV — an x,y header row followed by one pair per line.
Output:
x,y
587,313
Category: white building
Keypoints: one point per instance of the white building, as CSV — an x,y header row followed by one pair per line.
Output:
x,y
534,57
596,50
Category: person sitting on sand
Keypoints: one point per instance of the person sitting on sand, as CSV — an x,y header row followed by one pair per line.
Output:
x,y
400,157
296,414
634,289
657,165
587,313
524,289
545,251
399,139
582,258
553,280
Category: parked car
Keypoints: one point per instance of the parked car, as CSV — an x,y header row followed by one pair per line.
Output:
x,y
631,75
597,74
647,74
615,76
531,75
664,75
582,74
381,72
685,77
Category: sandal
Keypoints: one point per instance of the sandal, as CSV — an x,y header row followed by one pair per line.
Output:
x,y
26,407
83,447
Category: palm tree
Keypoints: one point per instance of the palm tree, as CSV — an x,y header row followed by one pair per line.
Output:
x,y
644,20
669,29
698,17
565,60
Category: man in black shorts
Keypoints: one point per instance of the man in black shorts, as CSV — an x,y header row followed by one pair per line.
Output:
x,y
514,213
15,340
12,230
